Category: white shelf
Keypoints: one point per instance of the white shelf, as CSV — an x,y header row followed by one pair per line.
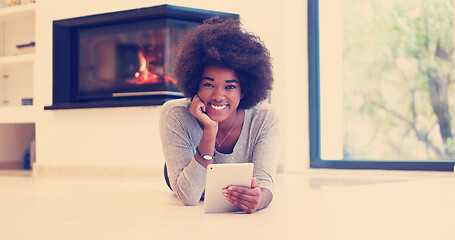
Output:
x,y
17,59
17,114
17,12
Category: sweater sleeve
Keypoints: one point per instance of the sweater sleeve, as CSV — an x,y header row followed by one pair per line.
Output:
x,y
264,154
186,175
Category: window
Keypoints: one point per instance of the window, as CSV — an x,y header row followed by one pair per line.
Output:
x,y
381,81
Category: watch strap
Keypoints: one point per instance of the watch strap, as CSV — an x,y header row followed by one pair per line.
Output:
x,y
205,157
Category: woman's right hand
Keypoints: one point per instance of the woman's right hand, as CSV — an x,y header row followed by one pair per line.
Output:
x,y
198,109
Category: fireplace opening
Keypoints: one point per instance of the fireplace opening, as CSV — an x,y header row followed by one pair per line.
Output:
x,y
133,59
120,59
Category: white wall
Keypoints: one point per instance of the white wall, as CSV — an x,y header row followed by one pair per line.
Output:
x,y
129,137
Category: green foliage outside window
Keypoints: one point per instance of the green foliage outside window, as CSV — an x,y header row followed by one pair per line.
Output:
x,y
398,79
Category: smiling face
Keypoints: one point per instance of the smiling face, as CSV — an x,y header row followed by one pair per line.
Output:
x,y
220,90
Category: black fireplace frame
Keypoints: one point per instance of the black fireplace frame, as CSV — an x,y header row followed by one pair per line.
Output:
x,y
65,53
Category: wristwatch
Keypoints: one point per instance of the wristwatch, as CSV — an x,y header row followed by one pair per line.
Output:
x,y
205,157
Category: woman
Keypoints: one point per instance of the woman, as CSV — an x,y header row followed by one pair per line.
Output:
x,y
225,72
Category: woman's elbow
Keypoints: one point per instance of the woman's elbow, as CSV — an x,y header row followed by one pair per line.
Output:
x,y
188,200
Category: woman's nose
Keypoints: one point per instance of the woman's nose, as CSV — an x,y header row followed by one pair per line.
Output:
x,y
218,95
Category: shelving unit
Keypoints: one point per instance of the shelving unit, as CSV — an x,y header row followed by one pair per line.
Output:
x,y
16,60
8,14
17,121
17,114
16,71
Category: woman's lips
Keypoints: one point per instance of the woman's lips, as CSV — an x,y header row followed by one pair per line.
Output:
x,y
218,107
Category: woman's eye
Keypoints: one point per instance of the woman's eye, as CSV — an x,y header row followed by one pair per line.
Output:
x,y
209,85
231,87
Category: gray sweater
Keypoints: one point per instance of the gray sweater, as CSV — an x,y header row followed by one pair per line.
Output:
x,y
181,134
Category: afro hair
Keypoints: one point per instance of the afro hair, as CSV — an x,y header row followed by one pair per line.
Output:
x,y
224,43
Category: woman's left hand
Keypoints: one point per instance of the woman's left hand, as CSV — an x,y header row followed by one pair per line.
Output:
x,y
247,199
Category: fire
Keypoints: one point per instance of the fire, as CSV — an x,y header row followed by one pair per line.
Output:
x,y
149,73
143,76
170,79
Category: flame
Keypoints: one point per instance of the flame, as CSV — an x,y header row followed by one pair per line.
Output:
x,y
170,79
143,76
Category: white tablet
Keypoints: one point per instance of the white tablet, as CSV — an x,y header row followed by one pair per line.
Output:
x,y
220,176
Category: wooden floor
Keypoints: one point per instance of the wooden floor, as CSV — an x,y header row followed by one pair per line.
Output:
x,y
315,205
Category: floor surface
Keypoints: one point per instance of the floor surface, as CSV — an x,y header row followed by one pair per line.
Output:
x,y
305,206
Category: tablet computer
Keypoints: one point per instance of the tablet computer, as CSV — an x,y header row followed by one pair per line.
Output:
x,y
220,176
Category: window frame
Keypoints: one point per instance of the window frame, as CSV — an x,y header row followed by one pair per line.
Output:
x,y
314,116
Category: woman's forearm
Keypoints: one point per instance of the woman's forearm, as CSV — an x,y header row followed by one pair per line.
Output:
x,y
266,198
207,146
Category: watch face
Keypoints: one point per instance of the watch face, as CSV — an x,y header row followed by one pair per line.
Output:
x,y
206,157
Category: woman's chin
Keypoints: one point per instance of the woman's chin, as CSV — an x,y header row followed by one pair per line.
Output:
x,y
217,117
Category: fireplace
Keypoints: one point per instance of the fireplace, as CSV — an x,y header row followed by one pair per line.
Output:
x,y
120,59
